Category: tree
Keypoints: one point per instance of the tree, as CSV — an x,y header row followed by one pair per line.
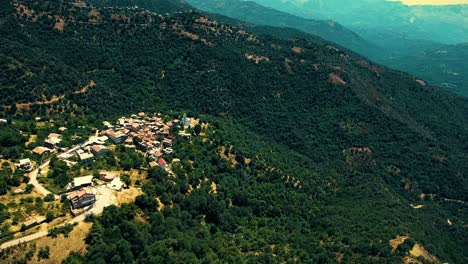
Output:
x,y
197,129
43,253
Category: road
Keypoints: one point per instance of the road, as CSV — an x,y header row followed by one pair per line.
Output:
x,y
36,184
104,198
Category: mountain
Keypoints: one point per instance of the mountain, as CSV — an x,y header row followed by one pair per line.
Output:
x,y
342,151
161,6
444,66
252,12
390,47
444,24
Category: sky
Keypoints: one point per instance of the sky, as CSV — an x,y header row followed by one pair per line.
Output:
x,y
434,2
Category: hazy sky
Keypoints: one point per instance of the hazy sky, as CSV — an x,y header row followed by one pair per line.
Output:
x,y
434,2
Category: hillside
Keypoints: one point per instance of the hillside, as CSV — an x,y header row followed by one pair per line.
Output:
x,y
252,12
339,148
406,38
438,23
444,66
160,6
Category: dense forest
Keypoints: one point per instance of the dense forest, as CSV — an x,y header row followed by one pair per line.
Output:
x,y
338,147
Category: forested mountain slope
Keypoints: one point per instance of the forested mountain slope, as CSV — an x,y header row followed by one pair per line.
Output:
x,y
445,66
384,45
363,141
252,12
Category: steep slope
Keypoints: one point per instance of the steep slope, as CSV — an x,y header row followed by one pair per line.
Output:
x,y
160,6
405,38
251,12
364,141
444,24
444,66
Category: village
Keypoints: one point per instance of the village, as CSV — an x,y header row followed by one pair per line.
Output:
x,y
150,135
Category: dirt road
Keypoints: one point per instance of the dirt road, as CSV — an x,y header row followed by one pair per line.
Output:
x,y
36,184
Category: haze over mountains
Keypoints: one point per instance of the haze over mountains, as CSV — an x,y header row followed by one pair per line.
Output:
x,y
391,40
319,154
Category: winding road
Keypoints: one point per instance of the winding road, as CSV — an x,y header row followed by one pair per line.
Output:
x,y
36,184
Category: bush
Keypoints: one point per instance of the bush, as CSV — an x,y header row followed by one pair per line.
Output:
x,y
44,253
28,188
49,198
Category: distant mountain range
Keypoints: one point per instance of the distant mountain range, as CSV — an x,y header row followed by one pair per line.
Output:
x,y
444,24
384,45
252,12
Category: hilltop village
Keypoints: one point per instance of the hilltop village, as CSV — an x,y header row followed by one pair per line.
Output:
x,y
84,176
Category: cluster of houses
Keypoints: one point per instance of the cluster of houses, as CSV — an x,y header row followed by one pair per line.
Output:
x,y
150,134
147,133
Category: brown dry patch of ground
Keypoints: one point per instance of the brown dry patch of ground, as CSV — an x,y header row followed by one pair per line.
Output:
x,y
94,16
54,99
32,139
230,157
60,247
24,10
339,257
253,38
189,35
85,88
256,58
397,241
336,79
421,82
419,251
11,164
160,205
59,23
297,49
127,195
119,17
214,187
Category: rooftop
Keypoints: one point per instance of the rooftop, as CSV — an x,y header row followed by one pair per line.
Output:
x,y
79,181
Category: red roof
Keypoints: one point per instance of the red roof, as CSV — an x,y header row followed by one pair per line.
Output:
x,y
97,148
162,162
80,193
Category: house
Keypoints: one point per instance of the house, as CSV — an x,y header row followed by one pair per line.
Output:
x,y
62,129
86,157
185,135
52,142
106,176
33,221
54,135
116,184
117,137
162,163
3,121
168,151
167,142
98,150
25,164
153,164
80,182
81,198
41,151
